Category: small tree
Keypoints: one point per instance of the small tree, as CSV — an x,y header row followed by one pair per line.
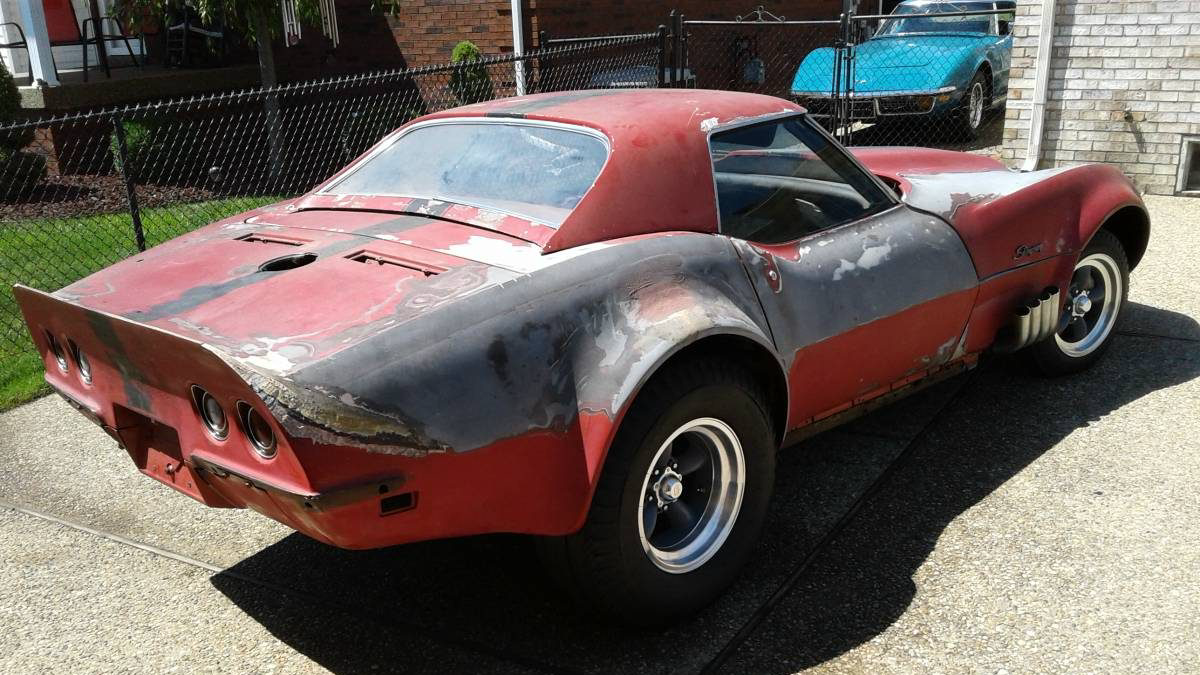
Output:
x,y
10,109
469,81
256,19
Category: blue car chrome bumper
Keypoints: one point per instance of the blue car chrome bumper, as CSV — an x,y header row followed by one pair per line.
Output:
x,y
872,105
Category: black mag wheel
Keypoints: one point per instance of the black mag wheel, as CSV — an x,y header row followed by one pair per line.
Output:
x,y
693,488
1093,304
1094,300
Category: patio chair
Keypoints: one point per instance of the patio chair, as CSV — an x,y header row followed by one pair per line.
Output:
x,y
187,34
19,44
64,30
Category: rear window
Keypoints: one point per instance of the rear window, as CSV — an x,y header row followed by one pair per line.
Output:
x,y
538,172
916,23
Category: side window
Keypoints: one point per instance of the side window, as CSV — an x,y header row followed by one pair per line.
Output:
x,y
1005,21
781,180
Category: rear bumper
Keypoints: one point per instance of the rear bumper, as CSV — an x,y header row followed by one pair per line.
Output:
x,y
341,517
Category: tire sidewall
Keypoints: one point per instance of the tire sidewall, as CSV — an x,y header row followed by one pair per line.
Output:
x,y
972,132
1048,356
687,591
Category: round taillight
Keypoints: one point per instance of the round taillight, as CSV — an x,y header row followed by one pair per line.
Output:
x,y
81,361
258,430
56,349
211,413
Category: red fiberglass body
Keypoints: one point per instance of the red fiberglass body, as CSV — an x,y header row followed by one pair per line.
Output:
x,y
425,367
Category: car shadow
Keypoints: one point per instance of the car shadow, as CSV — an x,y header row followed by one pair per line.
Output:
x,y
485,600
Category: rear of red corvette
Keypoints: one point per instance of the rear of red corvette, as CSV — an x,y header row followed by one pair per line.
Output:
x,y
189,420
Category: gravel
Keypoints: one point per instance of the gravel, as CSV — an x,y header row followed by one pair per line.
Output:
x,y
1044,526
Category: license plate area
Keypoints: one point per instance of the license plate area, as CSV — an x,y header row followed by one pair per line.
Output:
x,y
154,448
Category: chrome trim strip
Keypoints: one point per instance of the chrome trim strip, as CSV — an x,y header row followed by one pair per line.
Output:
x,y
879,94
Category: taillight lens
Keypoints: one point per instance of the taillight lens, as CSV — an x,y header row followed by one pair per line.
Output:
x,y
211,413
258,430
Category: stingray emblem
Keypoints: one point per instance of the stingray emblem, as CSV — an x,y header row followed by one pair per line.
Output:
x,y
1025,251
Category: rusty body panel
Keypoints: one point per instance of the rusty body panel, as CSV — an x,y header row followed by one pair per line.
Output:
x,y
435,369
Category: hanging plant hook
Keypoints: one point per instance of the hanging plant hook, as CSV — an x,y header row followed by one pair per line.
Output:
x,y
761,15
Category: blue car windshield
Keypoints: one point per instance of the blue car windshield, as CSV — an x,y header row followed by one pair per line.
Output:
x,y
538,172
912,19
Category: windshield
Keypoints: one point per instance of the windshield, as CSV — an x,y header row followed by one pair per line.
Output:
x,y
536,172
914,22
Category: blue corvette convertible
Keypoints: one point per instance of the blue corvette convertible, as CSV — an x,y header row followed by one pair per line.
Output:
x,y
919,63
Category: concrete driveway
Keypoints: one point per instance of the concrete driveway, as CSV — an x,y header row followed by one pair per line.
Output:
x,y
1028,526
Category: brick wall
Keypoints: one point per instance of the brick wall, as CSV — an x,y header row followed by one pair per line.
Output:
x,y
425,31
571,18
1123,86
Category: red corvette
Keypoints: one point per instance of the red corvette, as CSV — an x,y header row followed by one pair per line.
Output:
x,y
589,316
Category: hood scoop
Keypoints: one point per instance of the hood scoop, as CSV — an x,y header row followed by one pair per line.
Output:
x,y
373,258
263,238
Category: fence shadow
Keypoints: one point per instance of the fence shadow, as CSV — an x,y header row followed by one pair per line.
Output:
x,y
489,594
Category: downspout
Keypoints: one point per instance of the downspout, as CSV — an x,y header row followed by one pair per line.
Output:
x,y
518,27
1041,85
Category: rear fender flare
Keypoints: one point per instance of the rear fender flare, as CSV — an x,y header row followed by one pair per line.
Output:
x,y
608,379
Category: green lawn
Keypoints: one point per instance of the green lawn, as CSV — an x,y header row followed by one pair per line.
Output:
x,y
49,253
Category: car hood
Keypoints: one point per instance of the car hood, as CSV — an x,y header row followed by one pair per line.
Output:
x,y
892,63
937,50
280,288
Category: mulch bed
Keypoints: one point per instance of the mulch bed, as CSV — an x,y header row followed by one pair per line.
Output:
x,y
88,195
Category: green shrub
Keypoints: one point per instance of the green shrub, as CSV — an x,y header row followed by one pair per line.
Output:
x,y
19,171
143,148
469,81
10,111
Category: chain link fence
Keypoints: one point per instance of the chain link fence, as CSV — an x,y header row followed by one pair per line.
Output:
x,y
930,74
82,191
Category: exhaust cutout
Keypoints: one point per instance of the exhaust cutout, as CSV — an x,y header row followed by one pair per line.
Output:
x,y
1033,321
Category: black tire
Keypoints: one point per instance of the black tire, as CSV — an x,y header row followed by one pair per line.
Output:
x,y
970,125
604,565
1064,354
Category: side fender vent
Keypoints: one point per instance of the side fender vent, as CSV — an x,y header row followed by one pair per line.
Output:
x,y
372,258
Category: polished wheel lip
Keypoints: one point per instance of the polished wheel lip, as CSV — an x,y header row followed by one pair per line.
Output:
x,y
715,520
975,106
1106,290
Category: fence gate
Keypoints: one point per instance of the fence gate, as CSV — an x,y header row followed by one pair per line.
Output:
x,y
755,52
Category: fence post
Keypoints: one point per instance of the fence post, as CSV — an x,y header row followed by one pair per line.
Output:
x,y
544,64
662,56
683,50
677,58
670,79
127,175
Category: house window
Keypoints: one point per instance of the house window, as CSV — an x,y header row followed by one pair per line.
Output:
x,y
1189,166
